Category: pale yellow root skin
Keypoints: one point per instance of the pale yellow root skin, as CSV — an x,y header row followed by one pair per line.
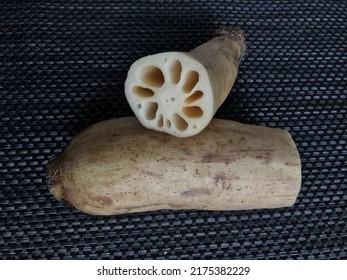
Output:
x,y
220,57
117,166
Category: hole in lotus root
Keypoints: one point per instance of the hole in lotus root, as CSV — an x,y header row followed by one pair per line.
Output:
x,y
179,122
194,97
175,71
143,92
151,109
168,123
153,76
192,79
160,121
193,112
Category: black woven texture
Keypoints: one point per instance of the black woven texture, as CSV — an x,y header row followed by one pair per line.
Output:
x,y
62,68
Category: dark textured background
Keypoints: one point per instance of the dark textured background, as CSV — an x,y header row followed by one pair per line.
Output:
x,y
62,68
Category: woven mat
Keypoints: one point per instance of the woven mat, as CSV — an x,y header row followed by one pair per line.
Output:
x,y
62,68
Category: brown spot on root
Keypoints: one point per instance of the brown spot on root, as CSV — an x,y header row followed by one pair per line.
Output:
x,y
133,160
187,151
223,180
150,207
267,158
195,192
152,174
162,139
219,177
114,135
237,155
91,203
213,158
104,200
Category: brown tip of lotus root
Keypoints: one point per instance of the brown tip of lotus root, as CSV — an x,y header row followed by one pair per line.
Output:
x,y
236,34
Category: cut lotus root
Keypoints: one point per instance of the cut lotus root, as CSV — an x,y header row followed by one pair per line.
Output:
x,y
179,92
